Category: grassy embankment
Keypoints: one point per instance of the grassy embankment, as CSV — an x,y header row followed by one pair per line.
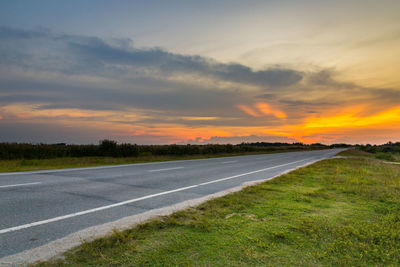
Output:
x,y
385,156
338,212
77,162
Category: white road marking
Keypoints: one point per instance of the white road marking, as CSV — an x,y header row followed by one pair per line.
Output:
x,y
232,161
15,185
55,219
166,169
247,173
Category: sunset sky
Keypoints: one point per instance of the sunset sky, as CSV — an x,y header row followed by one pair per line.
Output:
x,y
161,72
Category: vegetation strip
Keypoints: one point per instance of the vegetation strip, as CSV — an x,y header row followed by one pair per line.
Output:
x,y
30,157
337,212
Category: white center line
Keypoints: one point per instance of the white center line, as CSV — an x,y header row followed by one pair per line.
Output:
x,y
232,161
166,169
15,185
24,226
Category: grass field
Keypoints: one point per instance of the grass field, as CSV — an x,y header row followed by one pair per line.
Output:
x,y
385,156
77,162
337,212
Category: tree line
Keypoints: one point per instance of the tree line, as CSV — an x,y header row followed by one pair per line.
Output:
x,y
384,148
110,148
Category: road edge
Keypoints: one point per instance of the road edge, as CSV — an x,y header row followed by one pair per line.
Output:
x,y
57,247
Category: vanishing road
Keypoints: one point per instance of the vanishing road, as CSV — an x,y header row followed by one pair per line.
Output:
x,y
42,206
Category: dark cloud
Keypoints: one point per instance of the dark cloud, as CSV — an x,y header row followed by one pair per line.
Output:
x,y
325,78
99,51
72,54
266,96
147,94
318,102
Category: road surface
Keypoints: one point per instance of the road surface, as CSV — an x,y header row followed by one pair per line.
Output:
x,y
42,206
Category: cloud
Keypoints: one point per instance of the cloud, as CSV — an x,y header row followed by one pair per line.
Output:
x,y
266,109
325,78
149,94
248,110
96,50
74,71
74,54
262,109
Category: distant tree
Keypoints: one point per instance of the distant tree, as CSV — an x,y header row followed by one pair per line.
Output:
x,y
108,147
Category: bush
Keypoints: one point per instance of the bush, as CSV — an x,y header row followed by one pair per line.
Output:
x,y
108,148
385,156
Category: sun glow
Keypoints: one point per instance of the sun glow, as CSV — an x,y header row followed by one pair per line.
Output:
x,y
390,118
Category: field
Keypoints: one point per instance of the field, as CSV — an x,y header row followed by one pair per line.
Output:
x,y
337,212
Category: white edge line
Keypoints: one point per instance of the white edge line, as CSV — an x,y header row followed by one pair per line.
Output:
x,y
15,185
24,226
166,169
232,161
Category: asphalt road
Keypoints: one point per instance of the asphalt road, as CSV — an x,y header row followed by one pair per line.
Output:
x,y
42,206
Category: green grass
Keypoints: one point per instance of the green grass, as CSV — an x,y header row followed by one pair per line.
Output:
x,y
338,212
385,156
355,153
77,162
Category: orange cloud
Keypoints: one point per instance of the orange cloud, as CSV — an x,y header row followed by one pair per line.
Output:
x,y
248,110
268,110
262,108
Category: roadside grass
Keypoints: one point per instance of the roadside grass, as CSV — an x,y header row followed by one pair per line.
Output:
x,y
385,156
337,212
77,162
355,153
